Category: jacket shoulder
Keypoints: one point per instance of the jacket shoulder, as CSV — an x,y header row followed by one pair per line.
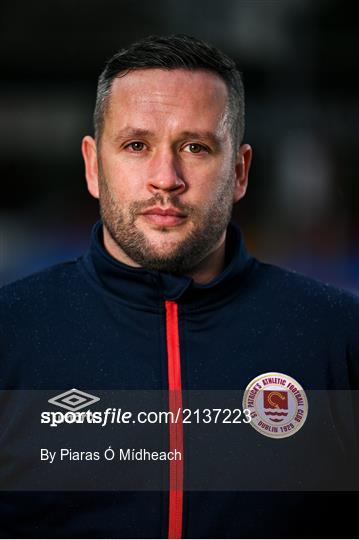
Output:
x,y
39,287
291,281
290,288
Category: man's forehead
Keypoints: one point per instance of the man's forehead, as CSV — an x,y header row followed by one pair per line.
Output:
x,y
176,82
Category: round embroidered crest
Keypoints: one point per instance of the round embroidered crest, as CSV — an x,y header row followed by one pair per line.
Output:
x,y
277,403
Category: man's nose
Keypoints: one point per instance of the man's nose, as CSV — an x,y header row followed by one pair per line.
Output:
x,y
164,173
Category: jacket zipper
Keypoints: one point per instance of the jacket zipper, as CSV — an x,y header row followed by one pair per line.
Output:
x,y
175,428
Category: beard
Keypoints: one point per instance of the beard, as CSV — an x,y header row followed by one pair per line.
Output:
x,y
182,256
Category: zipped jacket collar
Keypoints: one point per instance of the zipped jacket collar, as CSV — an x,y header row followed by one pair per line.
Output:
x,y
149,288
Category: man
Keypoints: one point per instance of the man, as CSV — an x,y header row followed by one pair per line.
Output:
x,y
167,299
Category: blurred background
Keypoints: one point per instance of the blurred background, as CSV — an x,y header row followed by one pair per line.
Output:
x,y
300,65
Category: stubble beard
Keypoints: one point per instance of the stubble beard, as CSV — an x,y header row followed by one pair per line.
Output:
x,y
208,226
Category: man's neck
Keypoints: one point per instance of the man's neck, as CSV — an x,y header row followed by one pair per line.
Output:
x,y
209,267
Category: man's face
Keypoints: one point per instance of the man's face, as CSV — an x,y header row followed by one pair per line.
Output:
x,y
167,173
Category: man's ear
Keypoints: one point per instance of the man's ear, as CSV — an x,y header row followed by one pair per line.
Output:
x,y
243,163
89,153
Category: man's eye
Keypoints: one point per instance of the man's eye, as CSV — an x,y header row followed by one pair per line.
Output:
x,y
195,148
136,146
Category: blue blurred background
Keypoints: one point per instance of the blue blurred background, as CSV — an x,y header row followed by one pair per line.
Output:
x,y
300,64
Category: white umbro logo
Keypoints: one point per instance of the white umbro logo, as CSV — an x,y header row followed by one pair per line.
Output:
x,y
74,400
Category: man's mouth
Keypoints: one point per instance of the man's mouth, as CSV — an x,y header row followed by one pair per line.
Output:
x,y
168,217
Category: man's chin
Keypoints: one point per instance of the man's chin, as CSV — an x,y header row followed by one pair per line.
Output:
x,y
165,253
165,256
164,240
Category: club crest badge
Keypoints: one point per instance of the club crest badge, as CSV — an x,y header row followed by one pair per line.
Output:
x,y
277,403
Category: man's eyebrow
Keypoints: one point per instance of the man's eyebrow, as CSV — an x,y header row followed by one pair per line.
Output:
x,y
132,132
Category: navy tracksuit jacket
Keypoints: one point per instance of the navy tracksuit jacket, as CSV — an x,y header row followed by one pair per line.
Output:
x,y
96,324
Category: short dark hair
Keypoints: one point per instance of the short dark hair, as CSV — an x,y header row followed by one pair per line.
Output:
x,y
171,52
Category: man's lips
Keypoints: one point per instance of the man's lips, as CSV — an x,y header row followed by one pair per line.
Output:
x,y
164,216
164,211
